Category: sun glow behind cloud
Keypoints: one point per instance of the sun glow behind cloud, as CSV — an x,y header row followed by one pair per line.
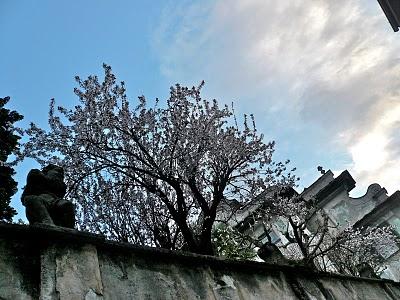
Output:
x,y
371,154
327,72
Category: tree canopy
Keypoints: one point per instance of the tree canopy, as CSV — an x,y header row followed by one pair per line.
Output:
x,y
8,145
154,174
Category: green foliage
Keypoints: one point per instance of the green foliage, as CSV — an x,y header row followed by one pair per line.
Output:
x,y
230,243
8,144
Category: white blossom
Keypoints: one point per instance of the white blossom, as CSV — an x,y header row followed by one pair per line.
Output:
x,y
154,174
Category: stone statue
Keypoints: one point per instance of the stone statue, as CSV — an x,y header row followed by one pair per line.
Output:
x,y
270,253
43,198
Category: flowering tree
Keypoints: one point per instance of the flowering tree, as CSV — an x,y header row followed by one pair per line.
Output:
x,y
361,247
154,175
8,145
315,241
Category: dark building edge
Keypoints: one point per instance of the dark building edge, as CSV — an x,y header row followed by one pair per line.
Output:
x,y
392,12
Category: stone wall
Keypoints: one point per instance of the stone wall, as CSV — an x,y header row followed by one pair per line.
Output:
x,y
52,263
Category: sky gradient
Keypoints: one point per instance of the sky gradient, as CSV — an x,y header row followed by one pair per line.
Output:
x,y
320,76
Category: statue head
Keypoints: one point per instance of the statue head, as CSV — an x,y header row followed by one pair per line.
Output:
x,y
53,171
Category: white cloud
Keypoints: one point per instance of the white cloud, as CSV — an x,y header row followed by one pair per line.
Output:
x,y
376,153
321,74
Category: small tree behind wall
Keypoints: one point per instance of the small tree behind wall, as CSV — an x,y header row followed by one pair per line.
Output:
x,y
154,174
315,241
230,243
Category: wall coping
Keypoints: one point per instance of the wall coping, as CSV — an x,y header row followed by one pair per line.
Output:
x,y
46,234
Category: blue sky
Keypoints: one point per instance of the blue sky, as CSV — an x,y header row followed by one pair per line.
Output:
x,y
321,76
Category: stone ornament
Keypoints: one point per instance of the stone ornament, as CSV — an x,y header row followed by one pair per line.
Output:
x,y
43,198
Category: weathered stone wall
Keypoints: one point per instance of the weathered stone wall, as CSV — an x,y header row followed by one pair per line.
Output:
x,y
52,263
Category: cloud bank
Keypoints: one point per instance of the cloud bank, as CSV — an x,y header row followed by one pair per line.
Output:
x,y
321,75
